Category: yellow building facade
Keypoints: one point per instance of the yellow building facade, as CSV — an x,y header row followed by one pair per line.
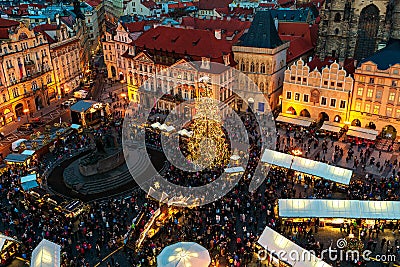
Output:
x,y
27,79
319,95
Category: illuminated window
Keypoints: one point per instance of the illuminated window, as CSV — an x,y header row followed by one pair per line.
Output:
x,y
297,96
389,111
368,108
362,79
392,96
378,94
376,109
398,114
370,92
360,91
358,106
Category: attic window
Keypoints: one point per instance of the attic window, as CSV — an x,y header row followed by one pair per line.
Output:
x,y
155,37
196,42
174,40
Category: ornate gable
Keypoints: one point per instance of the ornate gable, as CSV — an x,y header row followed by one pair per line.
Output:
x,y
143,57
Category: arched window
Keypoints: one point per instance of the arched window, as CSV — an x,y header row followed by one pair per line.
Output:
x,y
336,31
242,66
252,67
262,70
368,26
261,86
337,17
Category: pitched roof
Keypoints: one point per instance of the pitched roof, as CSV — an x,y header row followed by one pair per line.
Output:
x,y
135,26
42,28
386,57
4,34
7,23
150,4
298,46
200,43
262,32
211,4
316,62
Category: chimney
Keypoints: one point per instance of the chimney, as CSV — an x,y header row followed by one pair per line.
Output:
x,y
276,21
48,20
218,34
58,19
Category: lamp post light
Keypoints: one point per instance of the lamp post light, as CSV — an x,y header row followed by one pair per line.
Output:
x,y
26,111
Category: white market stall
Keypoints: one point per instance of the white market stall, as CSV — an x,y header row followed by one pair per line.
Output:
x,y
184,254
46,254
293,119
307,166
332,126
29,182
233,170
8,249
348,209
282,249
363,133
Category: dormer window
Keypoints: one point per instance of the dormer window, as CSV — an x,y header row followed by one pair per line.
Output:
x,y
205,63
226,60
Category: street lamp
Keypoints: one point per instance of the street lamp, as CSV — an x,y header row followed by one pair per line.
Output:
x,y
26,111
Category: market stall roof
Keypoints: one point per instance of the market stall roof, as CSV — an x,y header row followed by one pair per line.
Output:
x,y
3,240
332,126
156,125
293,119
312,167
75,126
17,158
287,250
29,182
363,133
234,170
82,105
46,254
28,152
327,208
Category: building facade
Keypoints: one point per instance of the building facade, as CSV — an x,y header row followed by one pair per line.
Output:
x,y
263,60
376,95
356,29
27,74
319,95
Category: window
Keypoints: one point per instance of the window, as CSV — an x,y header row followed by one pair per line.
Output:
x,y
360,91
332,84
396,72
288,95
389,111
398,114
262,68
342,104
371,80
370,92
392,96
297,96
323,101
368,68
362,79
333,102
304,80
252,67
367,108
340,84
376,109
337,17
325,82
394,83
378,94
305,98
358,106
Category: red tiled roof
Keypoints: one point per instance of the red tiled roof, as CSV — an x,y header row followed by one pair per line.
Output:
x,y
150,4
7,23
45,27
211,4
4,33
348,63
297,48
295,29
135,26
285,3
237,11
180,5
191,42
268,5
24,6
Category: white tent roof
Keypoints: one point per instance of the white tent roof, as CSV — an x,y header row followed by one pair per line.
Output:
x,y
185,132
326,208
288,251
234,169
308,166
28,178
156,125
46,254
184,254
28,152
75,126
169,128
293,119
3,240
332,126
364,133
235,157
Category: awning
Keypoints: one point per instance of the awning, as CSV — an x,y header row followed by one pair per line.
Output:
x,y
332,126
82,105
287,251
28,152
307,166
351,209
46,254
293,119
234,170
75,126
29,182
363,133
16,158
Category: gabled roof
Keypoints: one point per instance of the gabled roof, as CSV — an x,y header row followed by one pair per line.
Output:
x,y
211,4
4,34
135,26
386,57
184,41
262,32
150,4
43,28
7,23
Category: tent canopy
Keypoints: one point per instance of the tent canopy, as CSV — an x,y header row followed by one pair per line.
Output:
x,y
82,105
293,119
28,152
324,208
16,158
75,126
312,167
184,254
46,254
332,126
363,133
288,251
29,182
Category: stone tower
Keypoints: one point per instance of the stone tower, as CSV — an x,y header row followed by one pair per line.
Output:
x,y
356,28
